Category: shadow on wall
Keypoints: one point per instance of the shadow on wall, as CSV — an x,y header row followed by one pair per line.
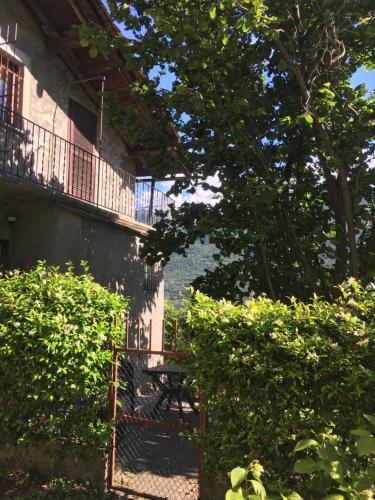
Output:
x,y
58,234
32,155
35,154
113,256
38,156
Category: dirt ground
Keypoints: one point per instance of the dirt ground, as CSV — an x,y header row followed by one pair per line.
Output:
x,y
17,485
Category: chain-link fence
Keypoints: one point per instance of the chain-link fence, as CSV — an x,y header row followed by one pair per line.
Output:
x,y
156,417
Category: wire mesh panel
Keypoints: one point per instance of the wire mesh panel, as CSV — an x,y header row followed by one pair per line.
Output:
x,y
156,415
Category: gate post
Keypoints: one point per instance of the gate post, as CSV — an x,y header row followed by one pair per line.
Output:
x,y
202,445
112,415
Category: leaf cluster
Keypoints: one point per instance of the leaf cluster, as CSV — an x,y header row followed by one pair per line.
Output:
x,y
275,372
260,97
341,472
56,332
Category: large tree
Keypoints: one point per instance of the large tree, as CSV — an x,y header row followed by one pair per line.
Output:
x,y
261,99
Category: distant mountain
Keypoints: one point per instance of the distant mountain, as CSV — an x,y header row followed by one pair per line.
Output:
x,y
181,271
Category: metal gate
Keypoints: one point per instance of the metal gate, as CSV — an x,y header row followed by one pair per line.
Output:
x,y
158,414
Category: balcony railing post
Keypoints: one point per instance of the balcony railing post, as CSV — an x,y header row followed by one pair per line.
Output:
x,y
151,207
97,181
39,156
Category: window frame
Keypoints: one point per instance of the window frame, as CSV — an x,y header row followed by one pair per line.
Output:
x,y
151,277
12,78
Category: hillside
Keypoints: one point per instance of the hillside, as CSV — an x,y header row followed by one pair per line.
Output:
x,y
181,271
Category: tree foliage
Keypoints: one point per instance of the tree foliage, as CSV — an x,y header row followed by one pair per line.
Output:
x,y
273,373
181,271
56,331
261,100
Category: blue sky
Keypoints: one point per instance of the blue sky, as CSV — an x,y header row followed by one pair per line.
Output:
x,y
363,76
359,77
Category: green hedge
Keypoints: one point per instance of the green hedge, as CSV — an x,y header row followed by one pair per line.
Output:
x,y
275,373
55,355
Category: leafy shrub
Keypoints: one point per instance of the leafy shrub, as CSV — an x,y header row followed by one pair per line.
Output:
x,y
56,331
174,314
337,472
274,373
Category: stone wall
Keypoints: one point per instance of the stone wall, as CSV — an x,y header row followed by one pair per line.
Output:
x,y
56,460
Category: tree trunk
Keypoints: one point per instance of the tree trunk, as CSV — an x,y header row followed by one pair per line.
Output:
x,y
341,254
299,250
349,221
322,134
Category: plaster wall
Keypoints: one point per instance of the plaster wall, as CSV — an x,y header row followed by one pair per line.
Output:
x,y
5,227
55,460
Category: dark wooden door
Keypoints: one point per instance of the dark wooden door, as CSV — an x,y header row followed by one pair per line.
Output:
x,y
82,171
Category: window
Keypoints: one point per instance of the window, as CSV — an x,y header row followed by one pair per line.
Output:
x,y
152,278
10,89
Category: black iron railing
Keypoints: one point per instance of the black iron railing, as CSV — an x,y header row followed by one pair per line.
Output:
x,y
37,155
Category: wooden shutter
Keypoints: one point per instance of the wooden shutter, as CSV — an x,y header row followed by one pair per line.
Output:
x,y
82,160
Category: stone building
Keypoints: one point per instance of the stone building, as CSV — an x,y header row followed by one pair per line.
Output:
x,y
70,188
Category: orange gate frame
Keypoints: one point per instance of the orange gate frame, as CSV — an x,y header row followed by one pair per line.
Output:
x,y
123,417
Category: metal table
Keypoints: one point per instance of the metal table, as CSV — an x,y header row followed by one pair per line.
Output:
x,y
170,380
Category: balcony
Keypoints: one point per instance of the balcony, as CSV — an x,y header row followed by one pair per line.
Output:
x,y
45,160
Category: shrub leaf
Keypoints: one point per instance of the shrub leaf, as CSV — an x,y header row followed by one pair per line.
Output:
x,y
306,466
237,476
305,443
365,445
